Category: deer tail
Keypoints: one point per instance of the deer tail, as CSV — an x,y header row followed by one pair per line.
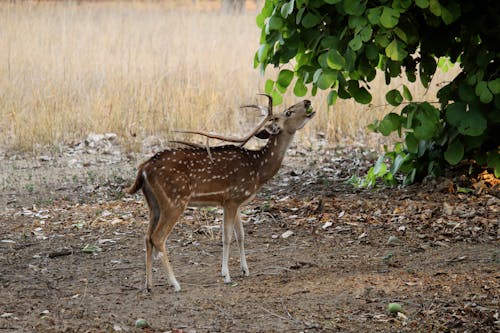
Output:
x,y
139,182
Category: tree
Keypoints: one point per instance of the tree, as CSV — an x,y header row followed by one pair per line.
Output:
x,y
340,45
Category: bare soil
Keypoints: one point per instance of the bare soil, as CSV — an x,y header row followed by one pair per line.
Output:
x,y
72,252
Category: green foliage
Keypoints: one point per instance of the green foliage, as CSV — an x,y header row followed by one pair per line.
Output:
x,y
340,45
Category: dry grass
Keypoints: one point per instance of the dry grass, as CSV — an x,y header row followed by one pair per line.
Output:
x,y
137,69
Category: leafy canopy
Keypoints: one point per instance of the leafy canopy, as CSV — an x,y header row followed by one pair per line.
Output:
x,y
339,45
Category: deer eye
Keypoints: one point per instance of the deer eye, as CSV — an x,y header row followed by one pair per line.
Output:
x,y
288,113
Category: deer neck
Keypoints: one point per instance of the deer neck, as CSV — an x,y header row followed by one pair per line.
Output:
x,y
273,154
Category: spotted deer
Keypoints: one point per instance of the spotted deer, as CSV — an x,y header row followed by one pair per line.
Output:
x,y
227,175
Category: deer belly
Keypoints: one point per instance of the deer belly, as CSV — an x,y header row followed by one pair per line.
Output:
x,y
200,199
236,194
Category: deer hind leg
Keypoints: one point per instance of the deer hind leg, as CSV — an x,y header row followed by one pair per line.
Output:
x,y
166,223
227,234
170,211
154,216
240,237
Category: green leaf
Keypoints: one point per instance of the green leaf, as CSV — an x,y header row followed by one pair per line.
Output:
x,y
454,153
398,162
285,78
322,60
277,97
371,52
317,74
427,68
280,88
373,15
366,33
465,190
380,168
494,86
310,20
327,79
382,39
266,11
485,95
428,121
260,20
407,94
450,13
410,177
411,143
335,60
262,52
493,161
470,122
330,42
287,8
356,43
396,50
300,88
394,97
389,18
332,97
401,34
455,112
361,95
390,123
357,23
300,13
422,3
435,7
275,23
466,92
269,86
354,7
314,90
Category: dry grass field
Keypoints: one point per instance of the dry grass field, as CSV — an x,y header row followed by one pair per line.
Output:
x,y
140,69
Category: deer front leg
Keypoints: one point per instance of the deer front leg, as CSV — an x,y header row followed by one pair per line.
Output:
x,y
227,233
240,236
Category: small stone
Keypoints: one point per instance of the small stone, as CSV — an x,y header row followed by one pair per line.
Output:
x,y
287,234
327,225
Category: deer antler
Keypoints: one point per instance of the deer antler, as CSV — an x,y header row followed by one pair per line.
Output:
x,y
268,111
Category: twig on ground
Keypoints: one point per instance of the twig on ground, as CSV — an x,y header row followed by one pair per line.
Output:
x,y
279,316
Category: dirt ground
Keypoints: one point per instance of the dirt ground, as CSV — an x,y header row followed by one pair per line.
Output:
x,y
72,252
